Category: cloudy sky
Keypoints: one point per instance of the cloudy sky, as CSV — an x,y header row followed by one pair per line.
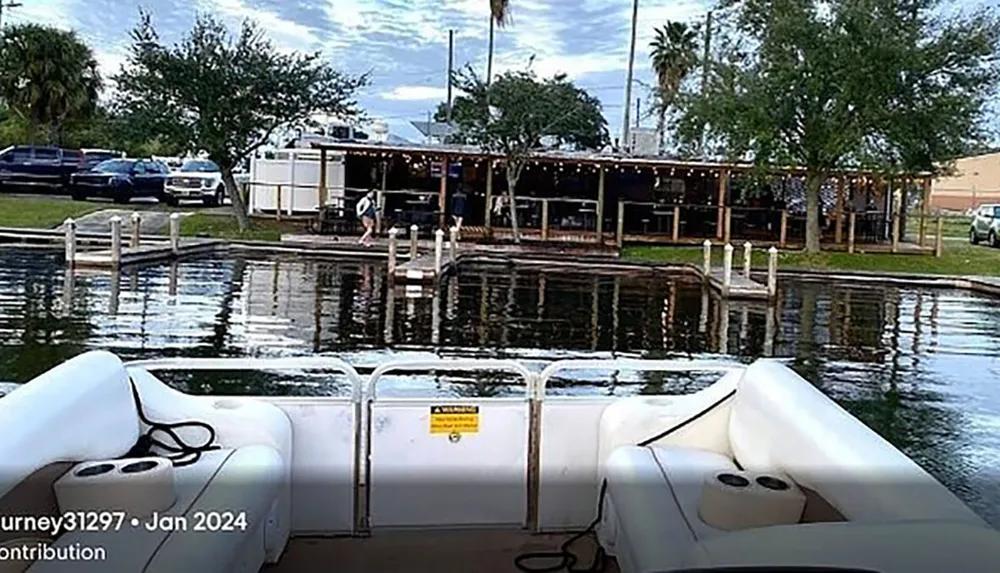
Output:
x,y
405,42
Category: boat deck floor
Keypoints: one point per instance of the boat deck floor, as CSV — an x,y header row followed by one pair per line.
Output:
x,y
430,551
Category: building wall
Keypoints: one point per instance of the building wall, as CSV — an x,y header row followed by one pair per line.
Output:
x,y
976,180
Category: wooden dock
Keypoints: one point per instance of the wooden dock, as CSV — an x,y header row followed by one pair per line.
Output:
x,y
421,269
146,253
739,286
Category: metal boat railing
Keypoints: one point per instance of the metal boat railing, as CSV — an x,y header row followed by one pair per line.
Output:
x,y
364,395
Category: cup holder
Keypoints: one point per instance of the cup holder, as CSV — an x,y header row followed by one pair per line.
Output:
x,y
139,467
733,480
95,470
772,483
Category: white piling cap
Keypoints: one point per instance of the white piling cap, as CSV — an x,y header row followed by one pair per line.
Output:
x,y
135,215
729,247
747,245
394,231
414,228
773,250
439,232
175,216
707,243
69,221
115,219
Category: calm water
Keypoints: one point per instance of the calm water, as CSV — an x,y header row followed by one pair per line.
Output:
x,y
919,366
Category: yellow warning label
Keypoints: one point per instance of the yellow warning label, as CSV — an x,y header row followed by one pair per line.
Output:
x,y
454,419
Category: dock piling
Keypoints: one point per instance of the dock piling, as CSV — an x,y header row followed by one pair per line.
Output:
x,y
116,240
414,230
851,222
727,269
438,250
939,245
747,256
175,233
70,225
136,225
454,245
772,272
706,266
393,235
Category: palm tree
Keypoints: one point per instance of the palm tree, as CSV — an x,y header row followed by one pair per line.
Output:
x,y
674,55
499,17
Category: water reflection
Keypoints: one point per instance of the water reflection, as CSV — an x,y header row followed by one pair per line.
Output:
x,y
919,366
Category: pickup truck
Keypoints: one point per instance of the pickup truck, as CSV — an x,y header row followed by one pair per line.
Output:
x,y
198,179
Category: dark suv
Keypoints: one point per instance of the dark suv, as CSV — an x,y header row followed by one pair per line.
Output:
x,y
38,167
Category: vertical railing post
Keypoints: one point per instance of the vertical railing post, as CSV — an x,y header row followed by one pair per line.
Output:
x,y
727,226
727,269
70,225
784,229
852,220
620,231
175,233
895,232
414,230
136,226
438,251
676,231
706,263
116,240
545,219
453,247
747,256
277,211
393,237
772,273
939,245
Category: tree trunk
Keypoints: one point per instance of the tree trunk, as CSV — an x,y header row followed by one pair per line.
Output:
x,y
813,232
489,54
512,177
239,207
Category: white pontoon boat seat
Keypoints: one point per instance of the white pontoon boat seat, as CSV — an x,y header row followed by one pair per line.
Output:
x,y
83,410
651,506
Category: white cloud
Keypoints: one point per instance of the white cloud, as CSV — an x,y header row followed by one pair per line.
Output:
x,y
415,93
287,34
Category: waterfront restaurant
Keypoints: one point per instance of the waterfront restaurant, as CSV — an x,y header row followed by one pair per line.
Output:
x,y
616,199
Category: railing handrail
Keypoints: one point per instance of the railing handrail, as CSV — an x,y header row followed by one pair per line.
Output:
x,y
640,365
460,365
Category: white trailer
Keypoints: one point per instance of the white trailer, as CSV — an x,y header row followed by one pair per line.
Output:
x,y
297,173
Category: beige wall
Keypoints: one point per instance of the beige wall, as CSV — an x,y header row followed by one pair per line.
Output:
x,y
976,180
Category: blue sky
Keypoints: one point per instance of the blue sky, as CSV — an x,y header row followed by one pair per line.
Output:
x,y
405,42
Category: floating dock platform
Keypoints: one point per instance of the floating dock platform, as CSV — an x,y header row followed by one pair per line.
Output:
x,y
421,269
146,253
740,287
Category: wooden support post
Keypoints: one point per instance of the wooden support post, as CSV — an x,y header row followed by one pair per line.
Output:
x,y
895,233
784,229
852,220
70,225
772,273
706,264
380,199
277,212
414,231
453,249
925,197
175,233
545,219
619,234
321,188
676,232
438,252
838,232
116,240
727,225
600,206
723,187
939,245
443,193
727,269
489,197
136,226
747,259
393,237
896,200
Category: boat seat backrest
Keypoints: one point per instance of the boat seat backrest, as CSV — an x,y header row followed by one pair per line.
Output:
x,y
82,409
781,421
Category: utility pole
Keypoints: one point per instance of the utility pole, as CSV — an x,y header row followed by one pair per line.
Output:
x,y
451,63
7,5
628,81
638,113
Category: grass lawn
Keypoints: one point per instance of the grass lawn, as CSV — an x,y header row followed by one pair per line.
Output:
x,y
953,227
956,259
220,226
41,212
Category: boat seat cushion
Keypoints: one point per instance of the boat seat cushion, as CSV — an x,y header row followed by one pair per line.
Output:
x,y
652,500
245,481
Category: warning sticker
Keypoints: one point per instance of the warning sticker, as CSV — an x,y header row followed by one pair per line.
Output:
x,y
454,419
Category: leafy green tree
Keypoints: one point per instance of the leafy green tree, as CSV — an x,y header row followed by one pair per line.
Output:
x,y
515,114
47,78
829,85
674,55
226,96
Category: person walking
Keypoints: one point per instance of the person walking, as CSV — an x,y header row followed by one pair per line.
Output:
x,y
458,207
365,209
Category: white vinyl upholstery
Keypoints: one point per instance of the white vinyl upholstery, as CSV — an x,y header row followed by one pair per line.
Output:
x,y
651,505
781,422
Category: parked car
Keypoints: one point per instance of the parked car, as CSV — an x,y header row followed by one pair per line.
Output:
x,y
91,157
38,167
121,180
986,225
198,179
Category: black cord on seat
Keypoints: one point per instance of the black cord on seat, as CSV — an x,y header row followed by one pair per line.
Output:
x,y
180,452
567,559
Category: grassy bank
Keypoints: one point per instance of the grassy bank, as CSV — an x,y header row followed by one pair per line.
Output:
x,y
221,226
41,212
956,259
